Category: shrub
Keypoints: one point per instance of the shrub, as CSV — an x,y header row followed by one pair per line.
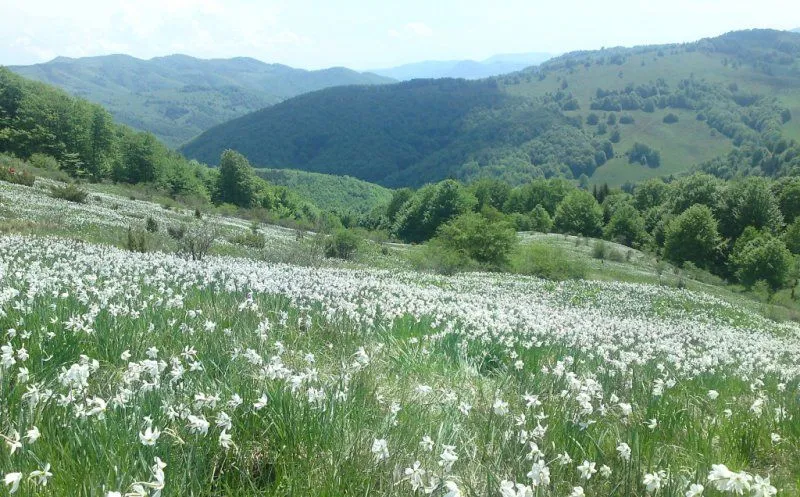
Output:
x,y
644,155
343,244
176,232
16,176
626,119
486,242
196,242
43,161
600,249
151,225
136,240
436,258
670,118
70,193
252,239
545,261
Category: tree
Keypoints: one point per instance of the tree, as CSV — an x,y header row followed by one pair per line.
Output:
x,y
141,158
644,155
651,193
430,207
236,180
749,202
491,192
482,240
695,189
579,214
788,194
792,237
763,257
692,236
626,226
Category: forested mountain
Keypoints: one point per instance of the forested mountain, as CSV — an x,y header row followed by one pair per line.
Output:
x,y
615,115
178,96
333,193
468,69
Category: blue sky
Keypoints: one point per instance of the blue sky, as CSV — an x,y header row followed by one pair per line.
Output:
x,y
361,33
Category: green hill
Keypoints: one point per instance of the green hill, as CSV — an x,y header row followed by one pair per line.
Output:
x,y
178,96
332,193
690,103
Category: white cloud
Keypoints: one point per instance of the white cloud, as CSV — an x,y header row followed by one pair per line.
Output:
x,y
411,30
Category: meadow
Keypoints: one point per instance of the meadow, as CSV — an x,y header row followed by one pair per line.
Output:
x,y
147,374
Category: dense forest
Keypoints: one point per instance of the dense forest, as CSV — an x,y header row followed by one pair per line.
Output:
x,y
644,112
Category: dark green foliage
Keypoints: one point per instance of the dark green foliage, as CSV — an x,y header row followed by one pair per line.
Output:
x,y
343,244
546,261
695,189
430,207
792,237
70,193
626,226
150,224
490,192
644,155
196,241
615,136
540,219
136,240
626,119
787,191
649,194
749,202
403,134
176,232
762,257
670,118
547,193
487,242
592,119
579,214
177,97
236,180
692,236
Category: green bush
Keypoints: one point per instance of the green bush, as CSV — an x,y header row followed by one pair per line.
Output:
x,y
486,242
151,225
70,193
545,261
434,257
16,175
252,239
136,240
343,244
762,258
44,161
670,118
176,232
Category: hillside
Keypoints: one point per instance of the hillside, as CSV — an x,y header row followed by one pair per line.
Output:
x,y
467,69
689,103
178,96
331,193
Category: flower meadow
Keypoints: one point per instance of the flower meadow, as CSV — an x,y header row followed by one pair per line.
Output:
x,y
146,374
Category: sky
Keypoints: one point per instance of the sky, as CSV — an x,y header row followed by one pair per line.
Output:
x,y
364,34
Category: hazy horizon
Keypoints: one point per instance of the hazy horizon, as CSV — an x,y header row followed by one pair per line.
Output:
x,y
355,34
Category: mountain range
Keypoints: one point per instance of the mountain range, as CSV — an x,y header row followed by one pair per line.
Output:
x,y
615,115
177,97
468,69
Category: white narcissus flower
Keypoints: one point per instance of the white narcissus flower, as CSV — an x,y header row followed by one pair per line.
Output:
x,y
452,489
500,407
380,449
653,481
577,492
624,451
712,394
587,469
415,475
761,487
225,439
695,490
426,444
12,480
32,435
41,475
150,436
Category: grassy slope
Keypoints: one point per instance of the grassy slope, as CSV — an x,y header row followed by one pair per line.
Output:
x,y
683,144
177,97
328,192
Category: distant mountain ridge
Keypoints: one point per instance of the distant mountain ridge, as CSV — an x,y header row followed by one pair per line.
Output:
x,y
467,69
730,104
177,97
